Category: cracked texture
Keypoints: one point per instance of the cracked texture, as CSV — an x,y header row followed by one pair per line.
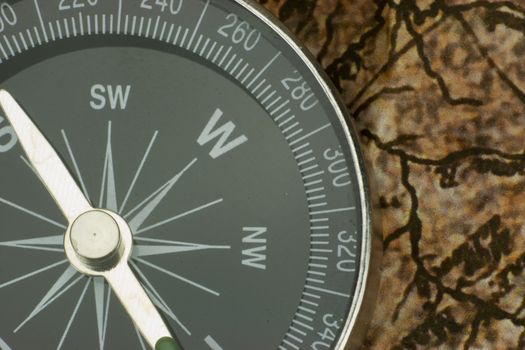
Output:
x,y
437,91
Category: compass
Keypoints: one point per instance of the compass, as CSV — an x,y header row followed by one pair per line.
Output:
x,y
175,174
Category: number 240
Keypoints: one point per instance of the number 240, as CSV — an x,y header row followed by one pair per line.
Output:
x,y
174,5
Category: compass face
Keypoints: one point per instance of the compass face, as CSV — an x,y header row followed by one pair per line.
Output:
x,y
206,129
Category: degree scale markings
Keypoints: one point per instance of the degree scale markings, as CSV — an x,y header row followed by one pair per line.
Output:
x,y
39,13
234,65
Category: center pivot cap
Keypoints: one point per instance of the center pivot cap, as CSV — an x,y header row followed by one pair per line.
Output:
x,y
95,237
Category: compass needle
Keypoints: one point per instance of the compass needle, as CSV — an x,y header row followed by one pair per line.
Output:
x,y
210,190
45,160
99,243
138,304
75,207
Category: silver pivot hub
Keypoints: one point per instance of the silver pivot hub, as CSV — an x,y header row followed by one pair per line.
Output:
x,y
96,239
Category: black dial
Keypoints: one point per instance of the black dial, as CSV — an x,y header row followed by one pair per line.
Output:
x,y
219,144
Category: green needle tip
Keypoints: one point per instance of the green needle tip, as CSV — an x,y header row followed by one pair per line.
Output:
x,y
168,344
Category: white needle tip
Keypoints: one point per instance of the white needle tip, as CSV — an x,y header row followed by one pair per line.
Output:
x,y
44,159
5,97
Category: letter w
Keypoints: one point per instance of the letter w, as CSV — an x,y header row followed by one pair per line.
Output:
x,y
118,97
222,133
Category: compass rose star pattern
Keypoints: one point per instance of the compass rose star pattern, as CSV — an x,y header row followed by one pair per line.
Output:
x,y
144,247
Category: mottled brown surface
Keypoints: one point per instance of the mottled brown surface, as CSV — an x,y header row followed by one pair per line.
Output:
x,y
437,90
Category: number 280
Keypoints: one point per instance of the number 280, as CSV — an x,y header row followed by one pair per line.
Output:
x,y
300,91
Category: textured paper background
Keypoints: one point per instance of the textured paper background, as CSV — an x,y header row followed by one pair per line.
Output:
x,y
437,91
